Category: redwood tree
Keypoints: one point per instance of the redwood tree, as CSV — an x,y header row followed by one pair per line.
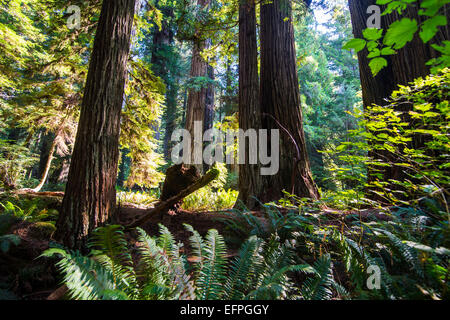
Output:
x,y
90,197
280,102
195,109
403,67
163,66
250,180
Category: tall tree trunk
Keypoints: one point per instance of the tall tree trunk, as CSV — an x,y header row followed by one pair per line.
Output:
x,y
170,116
90,197
209,101
195,109
163,39
208,120
408,64
184,111
250,179
46,167
280,102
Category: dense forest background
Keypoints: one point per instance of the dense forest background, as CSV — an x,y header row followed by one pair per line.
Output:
x,y
91,93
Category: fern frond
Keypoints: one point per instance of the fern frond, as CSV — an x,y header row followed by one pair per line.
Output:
x,y
158,270
408,253
197,245
166,240
111,250
213,274
241,268
85,278
319,287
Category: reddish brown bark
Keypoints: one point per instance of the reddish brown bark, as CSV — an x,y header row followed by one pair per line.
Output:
x,y
195,109
250,180
90,197
280,102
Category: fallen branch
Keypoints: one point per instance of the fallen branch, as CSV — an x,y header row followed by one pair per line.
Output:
x,y
165,205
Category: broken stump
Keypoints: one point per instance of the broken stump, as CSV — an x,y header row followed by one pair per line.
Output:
x,y
178,178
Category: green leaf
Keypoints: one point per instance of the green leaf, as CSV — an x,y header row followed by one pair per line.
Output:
x,y
400,33
431,7
375,53
387,51
430,27
356,44
372,34
377,64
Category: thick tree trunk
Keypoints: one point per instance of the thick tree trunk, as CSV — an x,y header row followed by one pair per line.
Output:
x,y
195,109
405,66
90,197
250,179
408,64
280,102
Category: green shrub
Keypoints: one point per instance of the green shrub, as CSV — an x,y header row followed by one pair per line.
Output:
x,y
409,135
208,199
14,160
410,248
137,198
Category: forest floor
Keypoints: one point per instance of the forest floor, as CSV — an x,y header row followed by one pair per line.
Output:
x,y
31,278
35,279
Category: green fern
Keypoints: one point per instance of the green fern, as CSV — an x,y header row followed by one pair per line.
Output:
x,y
85,278
212,275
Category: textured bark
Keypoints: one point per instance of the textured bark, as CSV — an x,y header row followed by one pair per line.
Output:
x,y
250,180
171,109
280,102
408,64
90,197
195,109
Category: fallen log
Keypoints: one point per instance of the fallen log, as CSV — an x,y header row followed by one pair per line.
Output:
x,y
211,175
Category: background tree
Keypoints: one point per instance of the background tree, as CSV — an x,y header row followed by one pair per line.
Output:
x,y
196,102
